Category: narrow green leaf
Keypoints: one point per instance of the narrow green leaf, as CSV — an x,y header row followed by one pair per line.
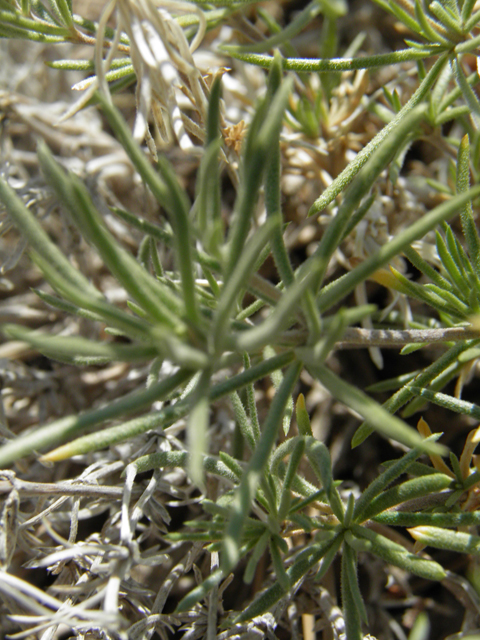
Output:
x,y
254,373
179,219
328,558
164,236
467,92
278,567
396,554
375,414
392,383
455,464
18,26
441,538
417,403
350,581
64,10
60,430
246,492
194,536
274,208
243,420
359,214
453,113
440,89
254,559
208,202
471,23
158,301
155,299
451,264
37,238
467,9
453,305
251,401
233,464
263,133
143,254
450,22
282,451
377,486
197,427
463,260
436,297
332,335
320,461
403,395
200,592
466,215
431,28
171,459
303,563
349,510
73,349
471,481
469,355
236,284
268,494
416,519
277,377
406,17
116,318
67,307
303,419
334,292
448,402
157,266
9,31
329,65
167,191
417,469
408,490
86,64
351,614
293,463
450,97
424,267
282,316
421,627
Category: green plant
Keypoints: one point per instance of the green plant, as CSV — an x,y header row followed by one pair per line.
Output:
x,y
196,318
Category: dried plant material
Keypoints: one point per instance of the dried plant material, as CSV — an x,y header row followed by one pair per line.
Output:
x,y
8,523
163,62
436,461
234,136
466,458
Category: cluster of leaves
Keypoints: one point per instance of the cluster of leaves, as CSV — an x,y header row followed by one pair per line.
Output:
x,y
204,330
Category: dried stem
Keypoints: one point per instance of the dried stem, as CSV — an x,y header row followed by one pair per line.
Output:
x,y
355,338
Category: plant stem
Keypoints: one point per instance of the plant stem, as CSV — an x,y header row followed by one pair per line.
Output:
x,y
355,338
